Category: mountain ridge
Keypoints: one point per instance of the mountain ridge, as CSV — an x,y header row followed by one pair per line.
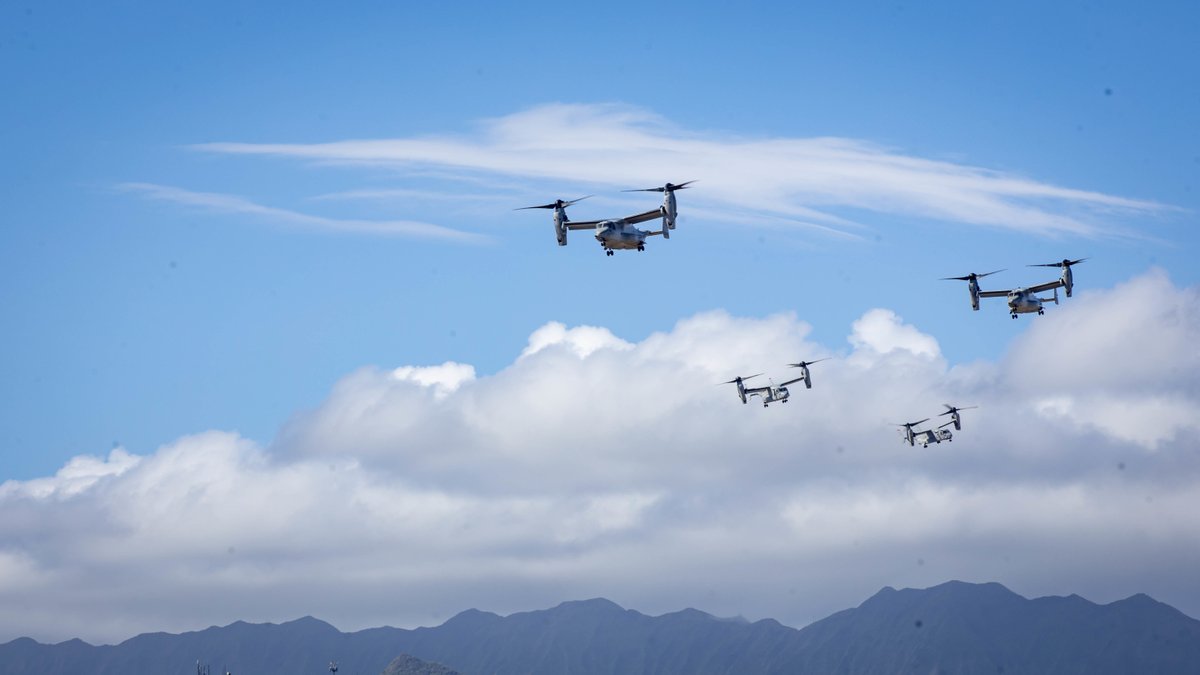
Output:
x,y
952,627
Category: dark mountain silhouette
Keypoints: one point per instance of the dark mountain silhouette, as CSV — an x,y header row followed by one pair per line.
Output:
x,y
952,628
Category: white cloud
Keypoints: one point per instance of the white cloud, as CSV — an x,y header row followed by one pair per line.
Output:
x,y
445,379
883,332
80,474
582,340
596,466
1144,420
806,181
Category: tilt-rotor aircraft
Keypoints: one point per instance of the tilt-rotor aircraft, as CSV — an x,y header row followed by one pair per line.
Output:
x,y
925,436
773,392
912,435
1023,300
618,233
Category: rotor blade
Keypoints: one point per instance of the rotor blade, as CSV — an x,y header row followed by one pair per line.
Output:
x,y
553,204
807,363
1063,263
741,378
669,187
968,277
953,409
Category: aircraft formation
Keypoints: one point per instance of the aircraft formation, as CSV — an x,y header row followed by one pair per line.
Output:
x,y
616,234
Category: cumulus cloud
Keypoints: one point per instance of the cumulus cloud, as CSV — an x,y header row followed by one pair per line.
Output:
x,y
582,340
444,379
1121,362
883,332
592,465
811,182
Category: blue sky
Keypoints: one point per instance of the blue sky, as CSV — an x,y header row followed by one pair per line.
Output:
x,y
192,242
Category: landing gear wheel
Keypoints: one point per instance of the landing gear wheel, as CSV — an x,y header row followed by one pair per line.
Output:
x,y
641,248
608,252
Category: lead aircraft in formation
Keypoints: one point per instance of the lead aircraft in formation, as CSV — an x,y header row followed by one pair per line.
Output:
x,y
1023,300
616,234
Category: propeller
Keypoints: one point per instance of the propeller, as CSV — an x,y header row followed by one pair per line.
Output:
x,y
950,410
736,379
669,187
913,424
556,204
1064,264
970,277
804,364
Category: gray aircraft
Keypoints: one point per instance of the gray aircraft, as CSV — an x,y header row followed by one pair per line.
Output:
x,y
912,435
1022,300
617,233
772,392
925,436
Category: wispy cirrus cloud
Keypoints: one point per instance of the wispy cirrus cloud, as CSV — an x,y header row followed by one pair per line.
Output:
x,y
234,204
811,181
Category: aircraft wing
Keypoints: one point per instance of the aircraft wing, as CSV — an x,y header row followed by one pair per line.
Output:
x,y
582,224
643,217
994,294
1045,287
798,379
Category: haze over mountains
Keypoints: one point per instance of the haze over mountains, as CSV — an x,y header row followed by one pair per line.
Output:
x,y
952,628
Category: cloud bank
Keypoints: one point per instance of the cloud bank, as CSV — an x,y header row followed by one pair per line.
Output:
x,y
596,466
820,183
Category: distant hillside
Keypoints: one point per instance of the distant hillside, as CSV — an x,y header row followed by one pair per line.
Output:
x,y
409,665
952,628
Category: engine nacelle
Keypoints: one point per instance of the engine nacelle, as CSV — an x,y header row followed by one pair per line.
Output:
x,y
974,288
1067,279
560,233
